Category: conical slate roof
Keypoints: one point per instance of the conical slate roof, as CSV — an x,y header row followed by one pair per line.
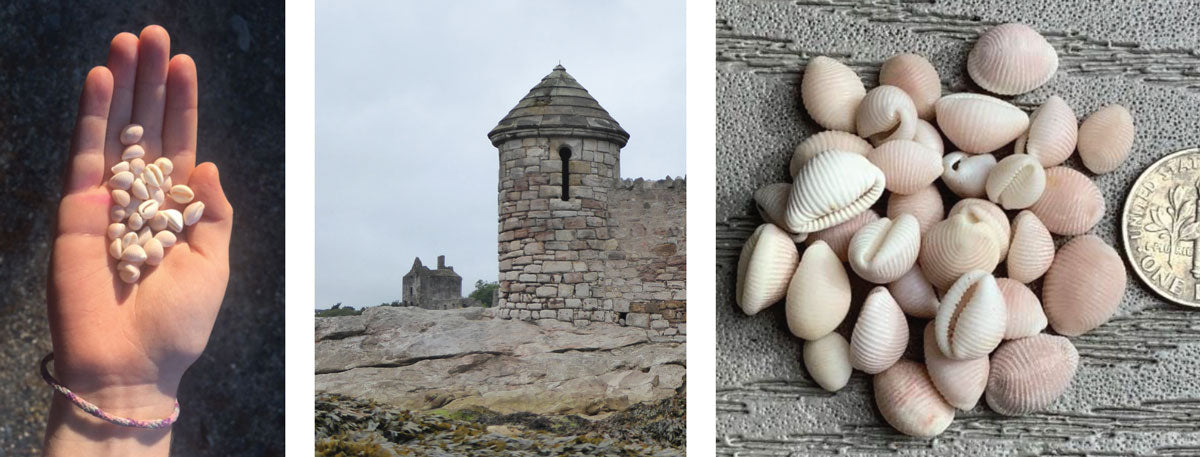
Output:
x,y
558,106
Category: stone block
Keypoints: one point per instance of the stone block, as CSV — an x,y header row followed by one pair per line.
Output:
x,y
556,266
527,277
583,290
659,324
574,303
565,314
546,291
637,320
566,290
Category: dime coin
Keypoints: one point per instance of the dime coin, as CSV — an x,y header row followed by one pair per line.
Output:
x,y
1161,227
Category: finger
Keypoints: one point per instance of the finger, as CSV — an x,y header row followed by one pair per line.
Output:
x,y
122,62
179,124
85,166
210,236
149,91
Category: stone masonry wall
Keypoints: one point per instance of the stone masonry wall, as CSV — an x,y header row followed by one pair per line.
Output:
x,y
646,276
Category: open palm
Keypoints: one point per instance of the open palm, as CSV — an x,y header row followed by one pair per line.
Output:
x,y
108,334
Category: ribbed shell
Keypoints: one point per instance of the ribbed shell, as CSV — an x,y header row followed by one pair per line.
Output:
x,y
830,189
1105,138
884,250
925,205
914,294
1011,59
818,296
952,247
1052,133
907,165
887,114
771,202
765,268
828,140
966,174
1071,203
971,319
1016,182
961,382
917,77
909,402
831,92
1084,286
838,237
992,215
930,137
1030,373
1025,315
1031,250
828,361
979,123
880,334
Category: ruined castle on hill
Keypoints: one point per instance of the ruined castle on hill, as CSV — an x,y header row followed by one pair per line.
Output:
x,y
577,242
434,289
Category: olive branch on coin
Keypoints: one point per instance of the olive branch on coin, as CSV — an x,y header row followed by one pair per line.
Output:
x,y
1176,221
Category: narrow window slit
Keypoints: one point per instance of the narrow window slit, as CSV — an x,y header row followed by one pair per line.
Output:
x,y
564,153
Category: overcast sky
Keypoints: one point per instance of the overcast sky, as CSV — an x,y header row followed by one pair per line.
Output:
x,y
407,92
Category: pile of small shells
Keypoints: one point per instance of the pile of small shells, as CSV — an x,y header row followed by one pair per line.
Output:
x,y
142,226
937,265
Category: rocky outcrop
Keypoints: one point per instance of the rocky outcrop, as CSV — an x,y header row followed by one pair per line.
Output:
x,y
455,359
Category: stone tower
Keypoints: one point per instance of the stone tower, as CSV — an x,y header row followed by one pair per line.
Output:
x,y
559,164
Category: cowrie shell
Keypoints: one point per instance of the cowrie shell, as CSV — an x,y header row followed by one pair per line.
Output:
x,y
880,334
1053,131
1028,374
909,402
955,246
991,214
924,204
193,212
828,361
134,221
182,194
838,237
1032,249
1016,182
829,140
158,222
129,238
1025,315
128,272
122,180
148,209
1011,59
887,114
914,294
971,319
133,253
138,189
154,251
818,296
131,134
133,151
116,230
882,251
1071,204
965,174
978,123
115,248
174,220
765,267
165,165
152,175
917,77
1105,138
907,166
144,235
137,166
1084,286
831,93
961,382
120,197
119,167
830,189
166,238
116,213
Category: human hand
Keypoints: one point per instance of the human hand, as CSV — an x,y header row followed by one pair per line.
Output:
x,y
125,347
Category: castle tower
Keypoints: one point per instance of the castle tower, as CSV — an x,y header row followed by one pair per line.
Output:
x,y
559,164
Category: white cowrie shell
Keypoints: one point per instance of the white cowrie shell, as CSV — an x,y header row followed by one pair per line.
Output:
x,y
116,213
166,238
133,151
134,254
1016,182
116,230
120,197
129,272
152,175
148,209
191,214
122,180
136,166
135,221
971,318
119,167
144,235
167,184
165,165
138,189
882,251
174,220
966,175
886,113
128,238
115,248
159,222
159,196
132,134
183,194
154,251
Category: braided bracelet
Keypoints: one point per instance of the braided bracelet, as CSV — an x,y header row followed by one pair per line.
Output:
x,y
96,411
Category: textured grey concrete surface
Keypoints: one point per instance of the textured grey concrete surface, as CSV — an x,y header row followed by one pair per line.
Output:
x,y
232,398
1137,391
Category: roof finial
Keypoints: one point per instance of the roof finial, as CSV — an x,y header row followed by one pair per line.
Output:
x,y
559,67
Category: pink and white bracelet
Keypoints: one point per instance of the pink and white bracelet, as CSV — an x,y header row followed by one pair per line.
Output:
x,y
97,412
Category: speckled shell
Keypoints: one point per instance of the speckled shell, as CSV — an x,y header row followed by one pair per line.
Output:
x,y
1016,182
828,361
880,334
971,319
1030,373
887,114
907,165
1052,133
1071,203
909,402
771,202
830,189
961,382
966,174
1011,59
930,137
1084,286
838,237
952,247
828,140
818,296
831,93
1105,138
979,123
1031,250
1025,315
914,294
925,205
765,268
991,214
882,251
917,77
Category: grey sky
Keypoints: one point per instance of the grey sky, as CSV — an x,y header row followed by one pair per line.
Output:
x,y
407,91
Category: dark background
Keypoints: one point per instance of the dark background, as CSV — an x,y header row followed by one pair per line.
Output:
x,y
232,399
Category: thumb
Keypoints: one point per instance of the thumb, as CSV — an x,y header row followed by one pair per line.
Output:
x,y
210,236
